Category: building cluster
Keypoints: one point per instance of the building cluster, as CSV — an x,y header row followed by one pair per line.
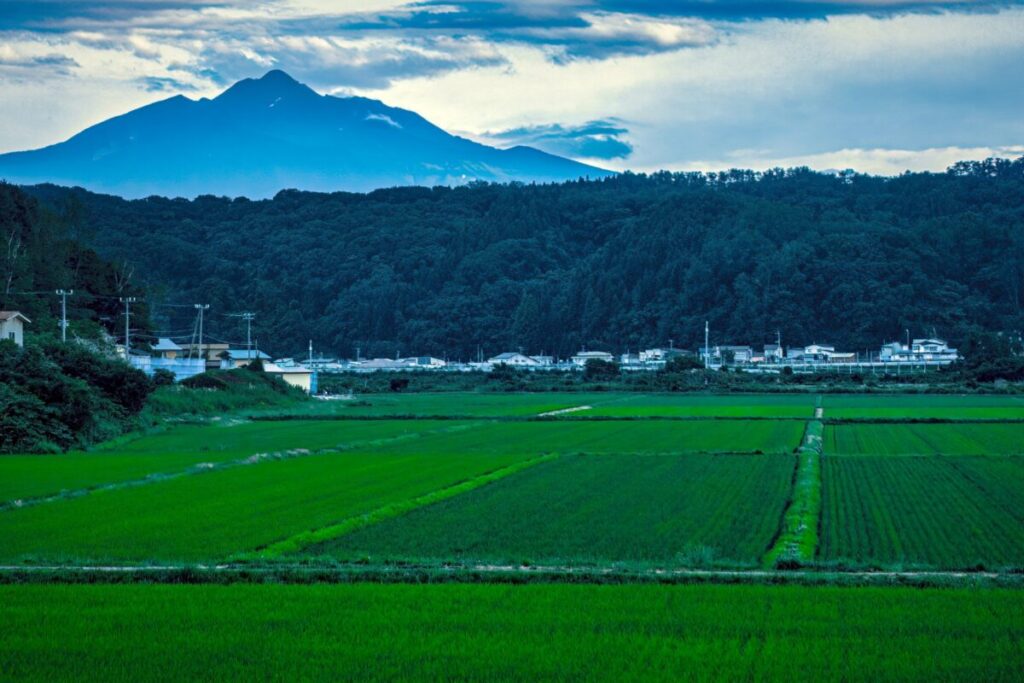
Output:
x,y
186,360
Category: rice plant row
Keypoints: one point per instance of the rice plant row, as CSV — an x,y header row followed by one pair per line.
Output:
x,y
925,439
677,510
938,512
467,632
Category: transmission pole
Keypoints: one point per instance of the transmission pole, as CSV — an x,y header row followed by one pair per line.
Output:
x,y
248,318
201,308
707,359
64,294
128,301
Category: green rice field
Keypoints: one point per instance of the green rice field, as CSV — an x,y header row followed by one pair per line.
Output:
x,y
634,496
955,407
949,513
608,507
1003,438
210,516
185,446
504,632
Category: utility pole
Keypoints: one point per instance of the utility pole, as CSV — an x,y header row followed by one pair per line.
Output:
x,y
706,357
248,318
127,301
64,294
201,308
310,354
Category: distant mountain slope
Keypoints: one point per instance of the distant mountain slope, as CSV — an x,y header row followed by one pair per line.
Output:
x,y
263,135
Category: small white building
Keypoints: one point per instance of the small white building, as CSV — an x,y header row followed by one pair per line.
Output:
x,y
424,363
167,349
582,357
297,376
660,355
12,326
517,360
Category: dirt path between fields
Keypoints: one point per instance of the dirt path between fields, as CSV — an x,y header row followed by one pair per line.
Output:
x,y
563,411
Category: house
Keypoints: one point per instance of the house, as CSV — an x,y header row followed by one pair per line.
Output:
x,y
660,355
377,365
581,358
12,326
166,349
544,361
817,353
929,350
239,358
297,377
423,363
517,360
739,353
772,353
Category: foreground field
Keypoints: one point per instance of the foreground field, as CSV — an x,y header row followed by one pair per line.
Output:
x,y
499,632
925,439
674,509
945,512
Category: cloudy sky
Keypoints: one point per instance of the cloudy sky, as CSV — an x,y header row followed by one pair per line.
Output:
x,y
876,85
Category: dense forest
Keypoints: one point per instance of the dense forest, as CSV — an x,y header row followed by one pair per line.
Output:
x,y
55,395
624,262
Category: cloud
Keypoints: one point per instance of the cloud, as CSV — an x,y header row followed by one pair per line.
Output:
x,y
164,84
385,118
887,162
597,139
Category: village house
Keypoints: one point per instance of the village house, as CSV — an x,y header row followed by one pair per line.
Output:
x,y
581,358
166,349
516,360
239,358
12,326
297,376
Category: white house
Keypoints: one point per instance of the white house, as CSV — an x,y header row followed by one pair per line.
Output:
x,y
424,363
165,348
933,350
12,326
517,360
297,376
660,355
582,357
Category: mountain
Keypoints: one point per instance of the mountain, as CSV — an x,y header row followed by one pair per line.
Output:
x,y
263,135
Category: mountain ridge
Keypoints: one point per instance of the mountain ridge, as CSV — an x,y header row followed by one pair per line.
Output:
x,y
260,136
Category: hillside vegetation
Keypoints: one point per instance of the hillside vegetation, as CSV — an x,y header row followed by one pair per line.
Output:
x,y
629,261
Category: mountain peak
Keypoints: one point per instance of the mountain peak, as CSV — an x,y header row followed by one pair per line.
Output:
x,y
274,83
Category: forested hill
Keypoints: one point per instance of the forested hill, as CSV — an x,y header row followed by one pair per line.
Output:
x,y
628,261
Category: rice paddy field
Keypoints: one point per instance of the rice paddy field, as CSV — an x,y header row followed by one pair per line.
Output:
x,y
593,508
554,632
630,494
966,438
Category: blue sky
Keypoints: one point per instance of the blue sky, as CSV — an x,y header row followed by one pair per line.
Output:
x,y
877,86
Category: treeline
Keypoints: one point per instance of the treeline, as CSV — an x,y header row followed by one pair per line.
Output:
x,y
55,396
626,262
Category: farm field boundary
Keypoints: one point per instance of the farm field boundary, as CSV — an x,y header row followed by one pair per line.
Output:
x,y
548,417
311,572
797,541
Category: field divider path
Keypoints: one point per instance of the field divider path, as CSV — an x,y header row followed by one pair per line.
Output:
x,y
797,541
207,467
296,543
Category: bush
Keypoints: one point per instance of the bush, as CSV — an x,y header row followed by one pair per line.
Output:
x,y
162,377
597,370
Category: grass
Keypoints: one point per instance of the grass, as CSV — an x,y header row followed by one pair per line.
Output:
x,y
371,632
209,516
680,510
450,403
920,406
180,447
941,512
925,439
